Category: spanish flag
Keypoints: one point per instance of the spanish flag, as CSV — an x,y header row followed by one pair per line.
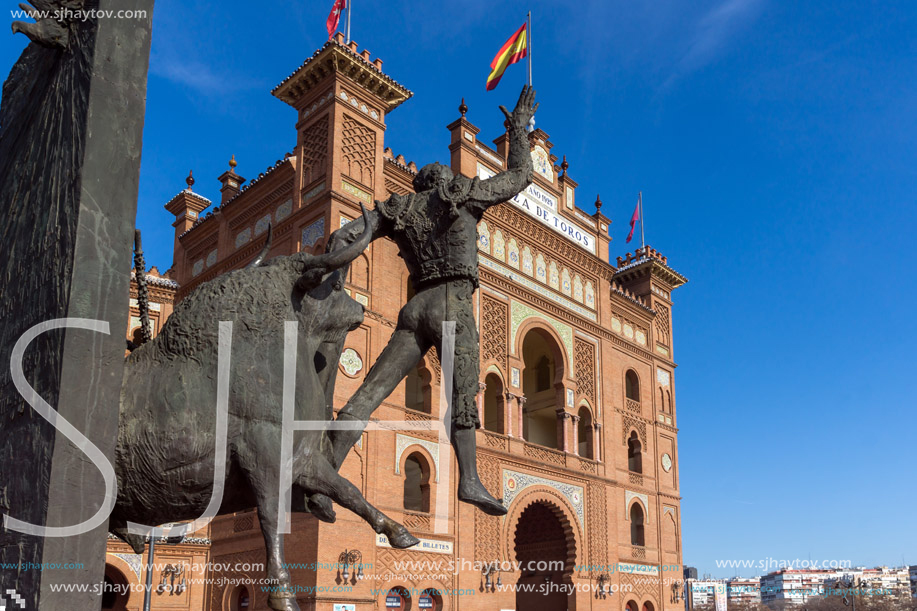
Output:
x,y
513,50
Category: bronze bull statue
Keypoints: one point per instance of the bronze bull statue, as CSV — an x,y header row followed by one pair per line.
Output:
x,y
166,453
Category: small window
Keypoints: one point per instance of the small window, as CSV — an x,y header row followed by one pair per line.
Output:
x,y
417,390
636,525
416,483
584,433
634,454
632,385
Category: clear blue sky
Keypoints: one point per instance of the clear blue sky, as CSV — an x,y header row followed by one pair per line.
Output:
x,y
774,143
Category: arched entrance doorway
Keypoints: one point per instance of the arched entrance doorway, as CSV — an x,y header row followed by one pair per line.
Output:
x,y
544,549
539,353
116,591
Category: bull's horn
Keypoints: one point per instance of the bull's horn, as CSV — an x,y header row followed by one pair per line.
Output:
x,y
339,258
263,254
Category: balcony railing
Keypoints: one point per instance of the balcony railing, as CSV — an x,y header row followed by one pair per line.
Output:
x,y
633,406
638,551
545,454
635,478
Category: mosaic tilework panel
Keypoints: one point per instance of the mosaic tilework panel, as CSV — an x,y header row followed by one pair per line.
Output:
x,y
514,483
403,442
313,233
534,286
135,561
629,496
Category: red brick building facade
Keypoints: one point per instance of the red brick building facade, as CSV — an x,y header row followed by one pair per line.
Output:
x,y
577,388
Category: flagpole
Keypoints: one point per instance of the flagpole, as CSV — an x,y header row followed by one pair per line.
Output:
x,y
347,34
642,234
528,43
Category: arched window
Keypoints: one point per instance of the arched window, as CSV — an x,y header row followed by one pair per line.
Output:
x,y
584,433
244,599
634,454
493,404
239,599
359,273
539,355
416,483
632,385
417,390
636,525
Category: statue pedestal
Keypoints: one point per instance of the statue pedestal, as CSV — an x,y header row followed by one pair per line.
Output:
x,y
72,126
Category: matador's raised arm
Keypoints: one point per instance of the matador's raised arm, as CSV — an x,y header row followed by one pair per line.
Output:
x,y
518,175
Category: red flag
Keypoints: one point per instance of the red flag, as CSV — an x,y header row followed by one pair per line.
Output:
x,y
633,221
335,17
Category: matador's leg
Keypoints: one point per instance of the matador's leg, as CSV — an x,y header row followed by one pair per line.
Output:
x,y
464,408
399,358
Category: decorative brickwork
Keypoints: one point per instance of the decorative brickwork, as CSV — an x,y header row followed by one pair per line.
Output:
x,y
314,150
637,424
544,454
495,441
243,523
637,587
487,528
393,187
359,150
584,355
493,331
417,522
662,323
588,466
433,365
597,520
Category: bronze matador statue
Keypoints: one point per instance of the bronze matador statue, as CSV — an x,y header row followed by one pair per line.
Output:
x,y
436,232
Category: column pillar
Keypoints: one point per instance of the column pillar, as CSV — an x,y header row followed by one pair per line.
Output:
x,y
480,400
562,418
597,440
520,401
575,425
508,411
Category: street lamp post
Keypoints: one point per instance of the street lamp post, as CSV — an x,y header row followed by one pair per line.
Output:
x,y
148,592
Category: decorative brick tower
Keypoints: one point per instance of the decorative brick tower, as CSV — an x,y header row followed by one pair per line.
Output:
x,y
341,97
187,207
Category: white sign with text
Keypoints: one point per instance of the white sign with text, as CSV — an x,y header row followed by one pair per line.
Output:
x,y
540,204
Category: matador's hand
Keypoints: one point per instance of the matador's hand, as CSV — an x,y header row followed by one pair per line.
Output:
x,y
524,110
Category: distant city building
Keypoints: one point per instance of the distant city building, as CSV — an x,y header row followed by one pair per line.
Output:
x,y
700,593
743,591
895,582
795,586
912,574
690,572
